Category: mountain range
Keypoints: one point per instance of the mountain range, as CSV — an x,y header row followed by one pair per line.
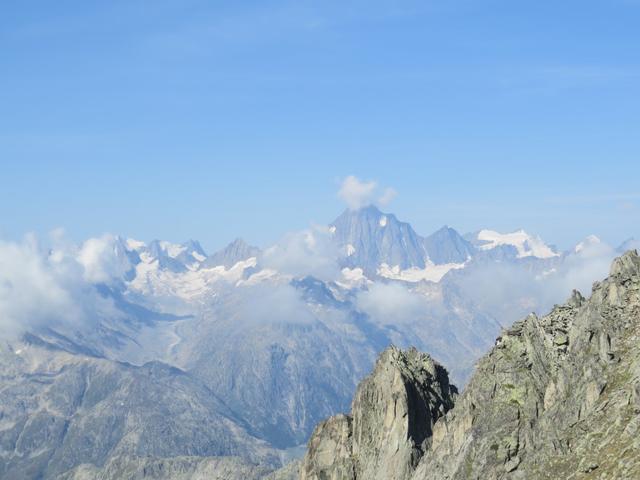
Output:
x,y
184,363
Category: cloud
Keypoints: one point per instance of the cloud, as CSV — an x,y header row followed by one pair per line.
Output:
x,y
54,287
103,259
391,304
264,304
358,193
309,252
387,196
509,291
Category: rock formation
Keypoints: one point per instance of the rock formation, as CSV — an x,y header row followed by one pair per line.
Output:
x,y
390,425
557,397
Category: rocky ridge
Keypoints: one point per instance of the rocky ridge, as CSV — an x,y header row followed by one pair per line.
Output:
x,y
558,396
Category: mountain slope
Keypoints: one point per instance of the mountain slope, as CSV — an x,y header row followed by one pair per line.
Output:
x,y
557,397
59,410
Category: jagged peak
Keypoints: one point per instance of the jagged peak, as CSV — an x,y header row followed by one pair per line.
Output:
x,y
410,361
627,265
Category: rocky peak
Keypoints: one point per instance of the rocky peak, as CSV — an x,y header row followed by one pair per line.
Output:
x,y
233,253
390,425
447,246
369,237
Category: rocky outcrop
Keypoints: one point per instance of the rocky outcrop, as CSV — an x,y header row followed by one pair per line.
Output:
x,y
391,421
557,397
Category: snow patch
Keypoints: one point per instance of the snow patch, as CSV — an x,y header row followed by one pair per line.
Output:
x,y
133,244
350,249
526,245
431,273
198,257
383,221
590,240
172,249
150,279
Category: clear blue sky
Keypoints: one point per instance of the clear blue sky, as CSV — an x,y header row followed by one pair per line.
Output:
x,y
204,119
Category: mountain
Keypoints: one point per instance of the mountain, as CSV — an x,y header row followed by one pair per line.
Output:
x,y
233,253
392,418
244,346
369,238
170,256
448,246
59,411
558,396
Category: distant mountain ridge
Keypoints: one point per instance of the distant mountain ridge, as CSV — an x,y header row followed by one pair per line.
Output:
x,y
278,347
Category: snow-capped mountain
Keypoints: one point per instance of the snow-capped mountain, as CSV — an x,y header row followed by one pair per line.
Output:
x,y
262,348
369,238
236,251
588,242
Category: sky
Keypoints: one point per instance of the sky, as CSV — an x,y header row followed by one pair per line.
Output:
x,y
180,119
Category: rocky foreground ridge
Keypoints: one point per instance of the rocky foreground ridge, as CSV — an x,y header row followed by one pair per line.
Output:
x,y
558,397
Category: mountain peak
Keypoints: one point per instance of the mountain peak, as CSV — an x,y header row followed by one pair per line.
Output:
x,y
446,245
369,238
233,253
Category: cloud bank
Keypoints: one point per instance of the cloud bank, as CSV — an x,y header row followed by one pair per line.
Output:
x,y
54,287
510,291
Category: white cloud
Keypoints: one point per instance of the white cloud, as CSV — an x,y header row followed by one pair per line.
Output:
x,y
268,304
309,252
358,193
387,196
391,304
103,259
509,291
40,287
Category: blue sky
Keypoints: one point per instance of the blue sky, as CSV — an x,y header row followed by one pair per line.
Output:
x,y
209,120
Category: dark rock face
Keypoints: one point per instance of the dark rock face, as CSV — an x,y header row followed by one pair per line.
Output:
x,y
390,425
557,397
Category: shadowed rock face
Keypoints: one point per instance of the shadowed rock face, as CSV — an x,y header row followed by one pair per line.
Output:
x,y
557,397
390,425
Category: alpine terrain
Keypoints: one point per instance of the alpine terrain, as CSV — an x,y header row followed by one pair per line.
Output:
x,y
156,360
557,397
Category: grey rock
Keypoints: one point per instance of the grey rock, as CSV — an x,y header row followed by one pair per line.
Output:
x,y
390,425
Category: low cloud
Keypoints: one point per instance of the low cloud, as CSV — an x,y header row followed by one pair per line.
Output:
x,y
268,304
509,291
103,259
53,287
309,252
391,304
358,193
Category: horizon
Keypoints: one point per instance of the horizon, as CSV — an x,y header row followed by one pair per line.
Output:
x,y
60,232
